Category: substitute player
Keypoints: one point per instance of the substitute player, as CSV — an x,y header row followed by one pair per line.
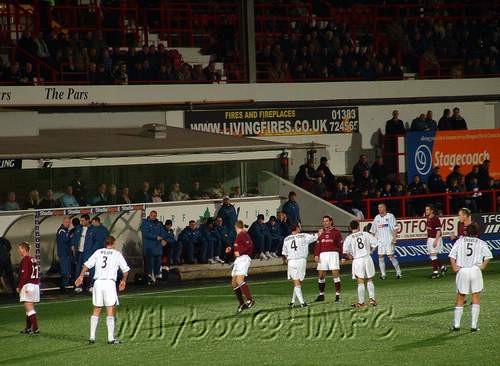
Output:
x,y
359,246
327,253
434,241
469,257
384,229
29,287
295,252
242,250
106,262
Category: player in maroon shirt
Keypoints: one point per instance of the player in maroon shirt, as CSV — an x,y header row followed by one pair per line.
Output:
x,y
434,240
29,287
464,221
242,250
327,252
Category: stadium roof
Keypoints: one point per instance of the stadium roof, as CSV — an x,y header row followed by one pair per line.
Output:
x,y
123,142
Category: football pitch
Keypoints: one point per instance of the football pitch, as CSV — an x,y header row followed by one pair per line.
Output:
x,y
197,325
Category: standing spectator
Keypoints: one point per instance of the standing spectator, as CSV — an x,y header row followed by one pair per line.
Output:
x,y
227,212
125,196
67,199
378,171
455,174
435,182
153,233
431,124
192,243
444,122
79,190
143,196
419,124
360,167
48,201
395,126
457,122
6,272
33,201
176,194
113,198
415,188
484,175
11,203
329,178
65,252
100,198
473,174
292,210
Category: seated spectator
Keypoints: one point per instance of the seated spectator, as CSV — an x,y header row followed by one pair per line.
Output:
x,y
101,198
67,199
328,177
27,76
13,74
306,175
192,243
119,74
395,126
431,124
48,201
261,238
340,193
211,74
11,203
196,192
79,190
33,201
435,182
176,194
444,122
319,188
457,122
217,191
125,196
102,77
156,196
236,192
457,201
378,171
143,196
360,167
455,174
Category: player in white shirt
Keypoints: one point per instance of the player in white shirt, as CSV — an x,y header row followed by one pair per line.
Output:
x,y
469,257
384,229
359,246
106,261
295,252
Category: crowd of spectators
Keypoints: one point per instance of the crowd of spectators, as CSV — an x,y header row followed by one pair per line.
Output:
x,y
375,181
426,122
76,194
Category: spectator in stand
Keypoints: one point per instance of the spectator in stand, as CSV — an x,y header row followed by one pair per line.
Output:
x,y
395,126
211,74
365,183
13,74
435,182
11,203
102,77
33,201
360,167
196,192
125,196
329,178
473,174
79,190
340,192
113,197
484,175
67,199
143,196
444,122
419,124
457,122
176,194
379,172
48,201
431,124
292,210
306,175
120,75
455,174
456,201
416,205
101,198
319,188
28,76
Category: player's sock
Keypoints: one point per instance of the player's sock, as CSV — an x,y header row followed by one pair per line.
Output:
x,y
438,262
110,322
435,265
395,263
28,322
361,293
475,315
293,296
381,264
246,291
336,282
239,294
33,321
321,285
94,320
371,289
458,315
298,293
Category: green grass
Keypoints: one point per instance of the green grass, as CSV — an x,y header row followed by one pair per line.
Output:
x,y
198,326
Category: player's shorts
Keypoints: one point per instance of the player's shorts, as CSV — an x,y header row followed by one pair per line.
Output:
x,y
328,261
385,248
104,293
469,280
363,267
30,293
297,269
430,246
241,264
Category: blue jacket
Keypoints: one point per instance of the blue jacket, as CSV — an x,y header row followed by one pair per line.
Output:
x,y
224,235
291,208
228,214
151,230
190,236
259,230
274,230
101,233
89,244
170,236
285,229
209,235
63,241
